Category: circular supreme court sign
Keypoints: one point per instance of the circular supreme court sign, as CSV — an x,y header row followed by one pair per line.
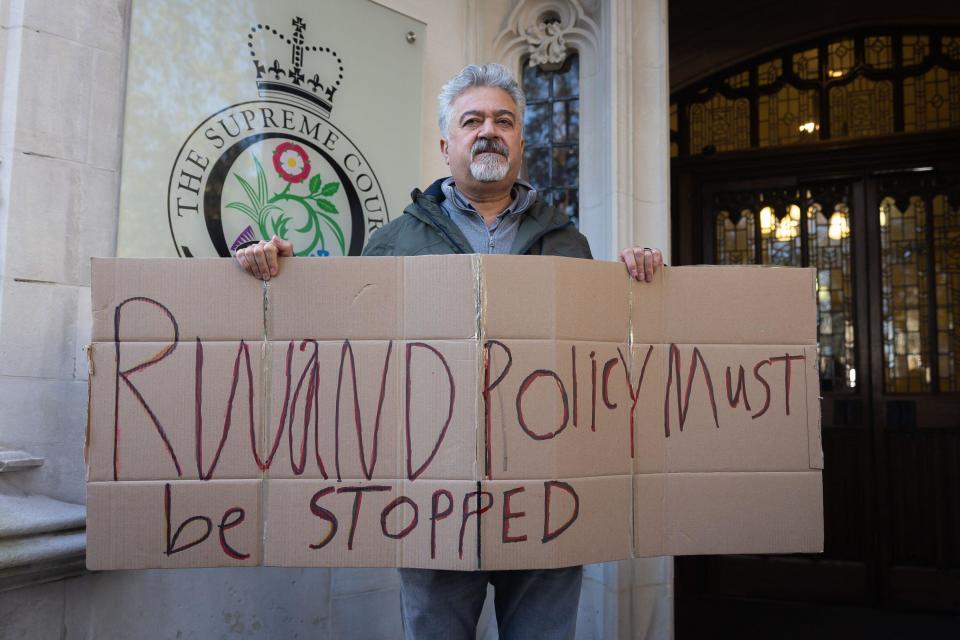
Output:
x,y
277,165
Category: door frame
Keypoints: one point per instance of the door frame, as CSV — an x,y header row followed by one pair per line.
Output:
x,y
692,179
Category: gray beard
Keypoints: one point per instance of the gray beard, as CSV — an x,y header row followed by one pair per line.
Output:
x,y
489,168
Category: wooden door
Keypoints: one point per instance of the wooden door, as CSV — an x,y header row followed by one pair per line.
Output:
x,y
914,258
886,246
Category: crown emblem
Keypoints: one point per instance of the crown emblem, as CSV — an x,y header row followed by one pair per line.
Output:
x,y
290,79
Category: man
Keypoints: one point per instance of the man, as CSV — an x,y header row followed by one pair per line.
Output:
x,y
482,208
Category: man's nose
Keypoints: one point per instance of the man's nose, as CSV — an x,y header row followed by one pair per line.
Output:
x,y
487,129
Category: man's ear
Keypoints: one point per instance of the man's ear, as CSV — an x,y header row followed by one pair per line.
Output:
x,y
443,150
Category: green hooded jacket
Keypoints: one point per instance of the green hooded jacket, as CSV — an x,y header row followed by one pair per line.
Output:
x,y
425,229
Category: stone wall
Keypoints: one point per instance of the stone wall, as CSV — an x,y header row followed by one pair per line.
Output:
x,y
59,176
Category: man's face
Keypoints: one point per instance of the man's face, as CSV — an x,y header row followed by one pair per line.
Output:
x,y
484,144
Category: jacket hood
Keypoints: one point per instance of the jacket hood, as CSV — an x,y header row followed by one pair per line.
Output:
x,y
433,191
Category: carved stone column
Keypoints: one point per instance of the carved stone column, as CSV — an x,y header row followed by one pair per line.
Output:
x,y
641,128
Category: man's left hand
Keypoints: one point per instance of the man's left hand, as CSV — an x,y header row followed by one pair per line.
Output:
x,y
642,262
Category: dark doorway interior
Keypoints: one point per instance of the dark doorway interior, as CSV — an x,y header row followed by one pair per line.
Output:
x,y
825,140
880,220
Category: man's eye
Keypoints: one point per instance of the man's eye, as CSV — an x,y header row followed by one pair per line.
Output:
x,y
505,122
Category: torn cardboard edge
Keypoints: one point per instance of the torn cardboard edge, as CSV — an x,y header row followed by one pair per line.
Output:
x,y
494,288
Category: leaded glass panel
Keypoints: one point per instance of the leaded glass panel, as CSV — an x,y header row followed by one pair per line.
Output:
x,y
735,238
829,244
915,49
946,252
951,47
789,115
780,237
931,101
861,108
566,121
769,72
816,220
805,65
839,58
721,123
536,84
537,128
566,168
875,85
878,52
739,81
904,295
552,133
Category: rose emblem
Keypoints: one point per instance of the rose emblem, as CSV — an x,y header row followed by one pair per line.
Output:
x,y
291,162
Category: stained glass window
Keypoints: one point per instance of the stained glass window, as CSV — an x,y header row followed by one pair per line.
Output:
x,y
931,101
839,58
875,84
919,221
951,47
769,72
915,49
552,133
828,236
904,297
790,115
780,236
946,252
805,65
779,215
720,123
878,52
735,237
861,108
739,81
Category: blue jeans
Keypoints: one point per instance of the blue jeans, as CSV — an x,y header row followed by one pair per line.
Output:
x,y
446,605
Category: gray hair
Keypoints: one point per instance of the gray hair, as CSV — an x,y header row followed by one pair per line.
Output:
x,y
474,75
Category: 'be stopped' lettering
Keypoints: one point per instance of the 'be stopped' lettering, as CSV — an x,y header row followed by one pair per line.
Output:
x,y
340,511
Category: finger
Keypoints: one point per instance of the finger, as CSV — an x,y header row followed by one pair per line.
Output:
x,y
628,259
648,264
270,253
638,258
248,254
242,260
284,247
657,260
261,260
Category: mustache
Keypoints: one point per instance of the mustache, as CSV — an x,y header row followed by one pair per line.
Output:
x,y
488,145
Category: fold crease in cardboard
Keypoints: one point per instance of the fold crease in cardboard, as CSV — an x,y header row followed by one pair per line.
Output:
x,y
457,412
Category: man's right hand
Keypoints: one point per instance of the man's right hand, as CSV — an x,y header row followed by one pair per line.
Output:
x,y
261,260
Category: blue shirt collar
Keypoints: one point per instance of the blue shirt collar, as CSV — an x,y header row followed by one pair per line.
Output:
x,y
524,195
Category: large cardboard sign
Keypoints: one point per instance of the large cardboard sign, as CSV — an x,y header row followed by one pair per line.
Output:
x,y
460,412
